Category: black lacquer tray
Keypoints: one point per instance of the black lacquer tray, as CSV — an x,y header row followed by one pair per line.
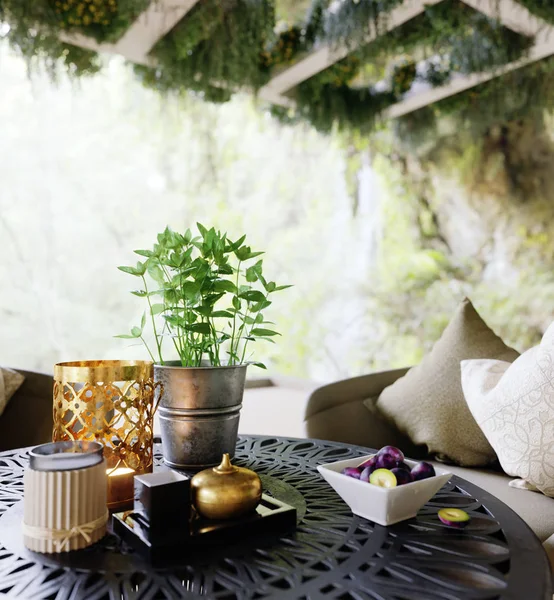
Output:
x,y
271,518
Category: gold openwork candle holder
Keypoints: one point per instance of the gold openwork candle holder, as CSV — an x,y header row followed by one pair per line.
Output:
x,y
112,402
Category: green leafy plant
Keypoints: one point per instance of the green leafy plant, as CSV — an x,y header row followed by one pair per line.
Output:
x,y
205,295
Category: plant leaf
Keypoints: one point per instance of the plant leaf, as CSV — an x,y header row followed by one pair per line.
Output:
x,y
126,336
130,270
203,328
282,287
225,269
136,332
202,229
236,245
224,285
263,332
258,364
147,253
156,273
251,274
143,321
253,296
157,309
191,289
254,254
141,268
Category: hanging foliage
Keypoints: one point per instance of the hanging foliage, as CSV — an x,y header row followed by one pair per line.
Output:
x,y
523,93
448,38
34,28
219,45
541,8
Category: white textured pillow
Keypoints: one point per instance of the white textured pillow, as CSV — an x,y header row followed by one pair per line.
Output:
x,y
9,383
513,403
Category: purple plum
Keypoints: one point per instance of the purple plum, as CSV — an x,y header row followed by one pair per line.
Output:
x,y
369,462
385,461
423,470
352,472
405,466
402,476
366,473
396,453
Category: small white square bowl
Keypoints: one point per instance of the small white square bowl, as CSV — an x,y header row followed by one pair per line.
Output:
x,y
385,506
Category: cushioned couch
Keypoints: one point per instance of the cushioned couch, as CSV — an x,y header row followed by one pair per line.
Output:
x,y
27,420
337,412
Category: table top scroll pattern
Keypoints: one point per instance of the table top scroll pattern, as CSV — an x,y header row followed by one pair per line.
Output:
x,y
333,553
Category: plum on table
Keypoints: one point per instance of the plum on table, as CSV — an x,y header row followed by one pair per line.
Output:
x,y
454,517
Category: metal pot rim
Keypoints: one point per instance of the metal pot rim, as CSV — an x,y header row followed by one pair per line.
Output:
x,y
177,365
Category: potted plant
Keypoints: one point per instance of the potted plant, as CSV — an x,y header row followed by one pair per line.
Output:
x,y
205,297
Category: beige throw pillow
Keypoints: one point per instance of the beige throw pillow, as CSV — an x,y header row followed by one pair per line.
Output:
x,y
514,405
9,383
428,404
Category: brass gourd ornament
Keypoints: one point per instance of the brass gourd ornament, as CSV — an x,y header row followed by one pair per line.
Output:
x,y
226,491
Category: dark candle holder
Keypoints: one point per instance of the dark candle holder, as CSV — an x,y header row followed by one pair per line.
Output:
x,y
162,505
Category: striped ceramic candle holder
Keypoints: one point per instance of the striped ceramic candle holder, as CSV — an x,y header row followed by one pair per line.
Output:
x,y
65,497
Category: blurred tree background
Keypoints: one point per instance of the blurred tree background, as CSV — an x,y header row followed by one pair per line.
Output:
x,y
380,238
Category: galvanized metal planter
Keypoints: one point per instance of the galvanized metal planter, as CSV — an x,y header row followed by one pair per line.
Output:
x,y
199,412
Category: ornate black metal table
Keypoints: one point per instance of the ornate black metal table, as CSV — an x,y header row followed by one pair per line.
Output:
x,y
332,554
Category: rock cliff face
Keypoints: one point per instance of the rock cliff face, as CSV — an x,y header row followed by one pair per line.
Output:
x,y
468,217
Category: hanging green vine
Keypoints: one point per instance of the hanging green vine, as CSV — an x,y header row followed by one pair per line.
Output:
x,y
524,93
34,27
221,47
217,46
453,37
103,20
541,8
